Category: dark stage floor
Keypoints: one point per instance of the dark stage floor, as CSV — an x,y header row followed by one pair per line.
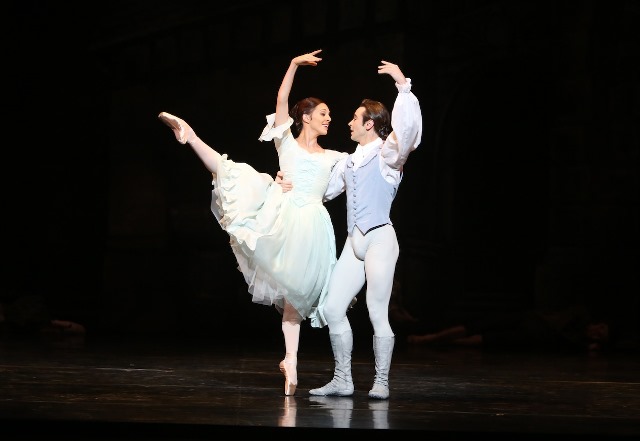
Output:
x,y
156,388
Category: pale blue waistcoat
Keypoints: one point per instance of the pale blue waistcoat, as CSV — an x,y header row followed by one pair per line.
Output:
x,y
369,195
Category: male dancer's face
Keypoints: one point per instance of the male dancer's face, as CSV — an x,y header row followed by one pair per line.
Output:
x,y
358,129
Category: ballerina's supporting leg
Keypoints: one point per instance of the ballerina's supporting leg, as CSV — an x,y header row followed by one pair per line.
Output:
x,y
291,320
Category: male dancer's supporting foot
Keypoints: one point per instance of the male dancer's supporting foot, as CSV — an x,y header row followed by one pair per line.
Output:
x,y
383,350
342,384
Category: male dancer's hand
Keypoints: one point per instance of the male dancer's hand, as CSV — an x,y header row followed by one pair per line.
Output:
x,y
393,70
285,185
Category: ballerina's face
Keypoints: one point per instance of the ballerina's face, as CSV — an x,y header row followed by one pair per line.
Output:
x,y
320,119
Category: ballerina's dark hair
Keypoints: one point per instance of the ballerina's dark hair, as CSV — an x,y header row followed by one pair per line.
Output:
x,y
378,113
305,106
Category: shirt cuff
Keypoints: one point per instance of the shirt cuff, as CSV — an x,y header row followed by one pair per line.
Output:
x,y
404,88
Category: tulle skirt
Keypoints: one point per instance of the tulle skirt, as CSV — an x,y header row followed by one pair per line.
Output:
x,y
285,249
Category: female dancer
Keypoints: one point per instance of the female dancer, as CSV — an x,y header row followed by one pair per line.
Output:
x,y
284,242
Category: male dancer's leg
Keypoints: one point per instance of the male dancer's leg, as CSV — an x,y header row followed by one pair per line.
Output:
x,y
346,281
380,265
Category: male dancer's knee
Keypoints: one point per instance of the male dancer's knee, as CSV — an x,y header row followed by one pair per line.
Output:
x,y
333,313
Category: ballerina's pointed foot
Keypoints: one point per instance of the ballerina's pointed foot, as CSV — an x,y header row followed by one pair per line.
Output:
x,y
290,377
181,129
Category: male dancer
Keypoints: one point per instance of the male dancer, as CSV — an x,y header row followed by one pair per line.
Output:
x,y
370,176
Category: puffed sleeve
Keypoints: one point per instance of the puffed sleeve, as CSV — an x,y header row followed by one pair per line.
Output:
x,y
270,132
336,185
406,121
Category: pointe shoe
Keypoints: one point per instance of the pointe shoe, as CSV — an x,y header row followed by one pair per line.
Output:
x,y
289,371
181,129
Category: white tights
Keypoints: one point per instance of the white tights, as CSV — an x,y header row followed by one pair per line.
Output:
x,y
371,259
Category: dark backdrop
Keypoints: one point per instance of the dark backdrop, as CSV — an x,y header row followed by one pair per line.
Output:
x,y
523,193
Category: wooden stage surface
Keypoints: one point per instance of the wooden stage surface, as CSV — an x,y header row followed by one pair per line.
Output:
x,y
158,388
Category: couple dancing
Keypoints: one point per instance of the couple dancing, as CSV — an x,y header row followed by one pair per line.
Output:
x,y
282,235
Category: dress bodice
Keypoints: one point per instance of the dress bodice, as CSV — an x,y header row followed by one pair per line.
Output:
x,y
308,172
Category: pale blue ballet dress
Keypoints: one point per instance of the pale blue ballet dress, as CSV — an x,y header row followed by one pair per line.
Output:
x,y
284,242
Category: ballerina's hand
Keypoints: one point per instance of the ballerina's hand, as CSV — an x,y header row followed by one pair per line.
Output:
x,y
309,59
